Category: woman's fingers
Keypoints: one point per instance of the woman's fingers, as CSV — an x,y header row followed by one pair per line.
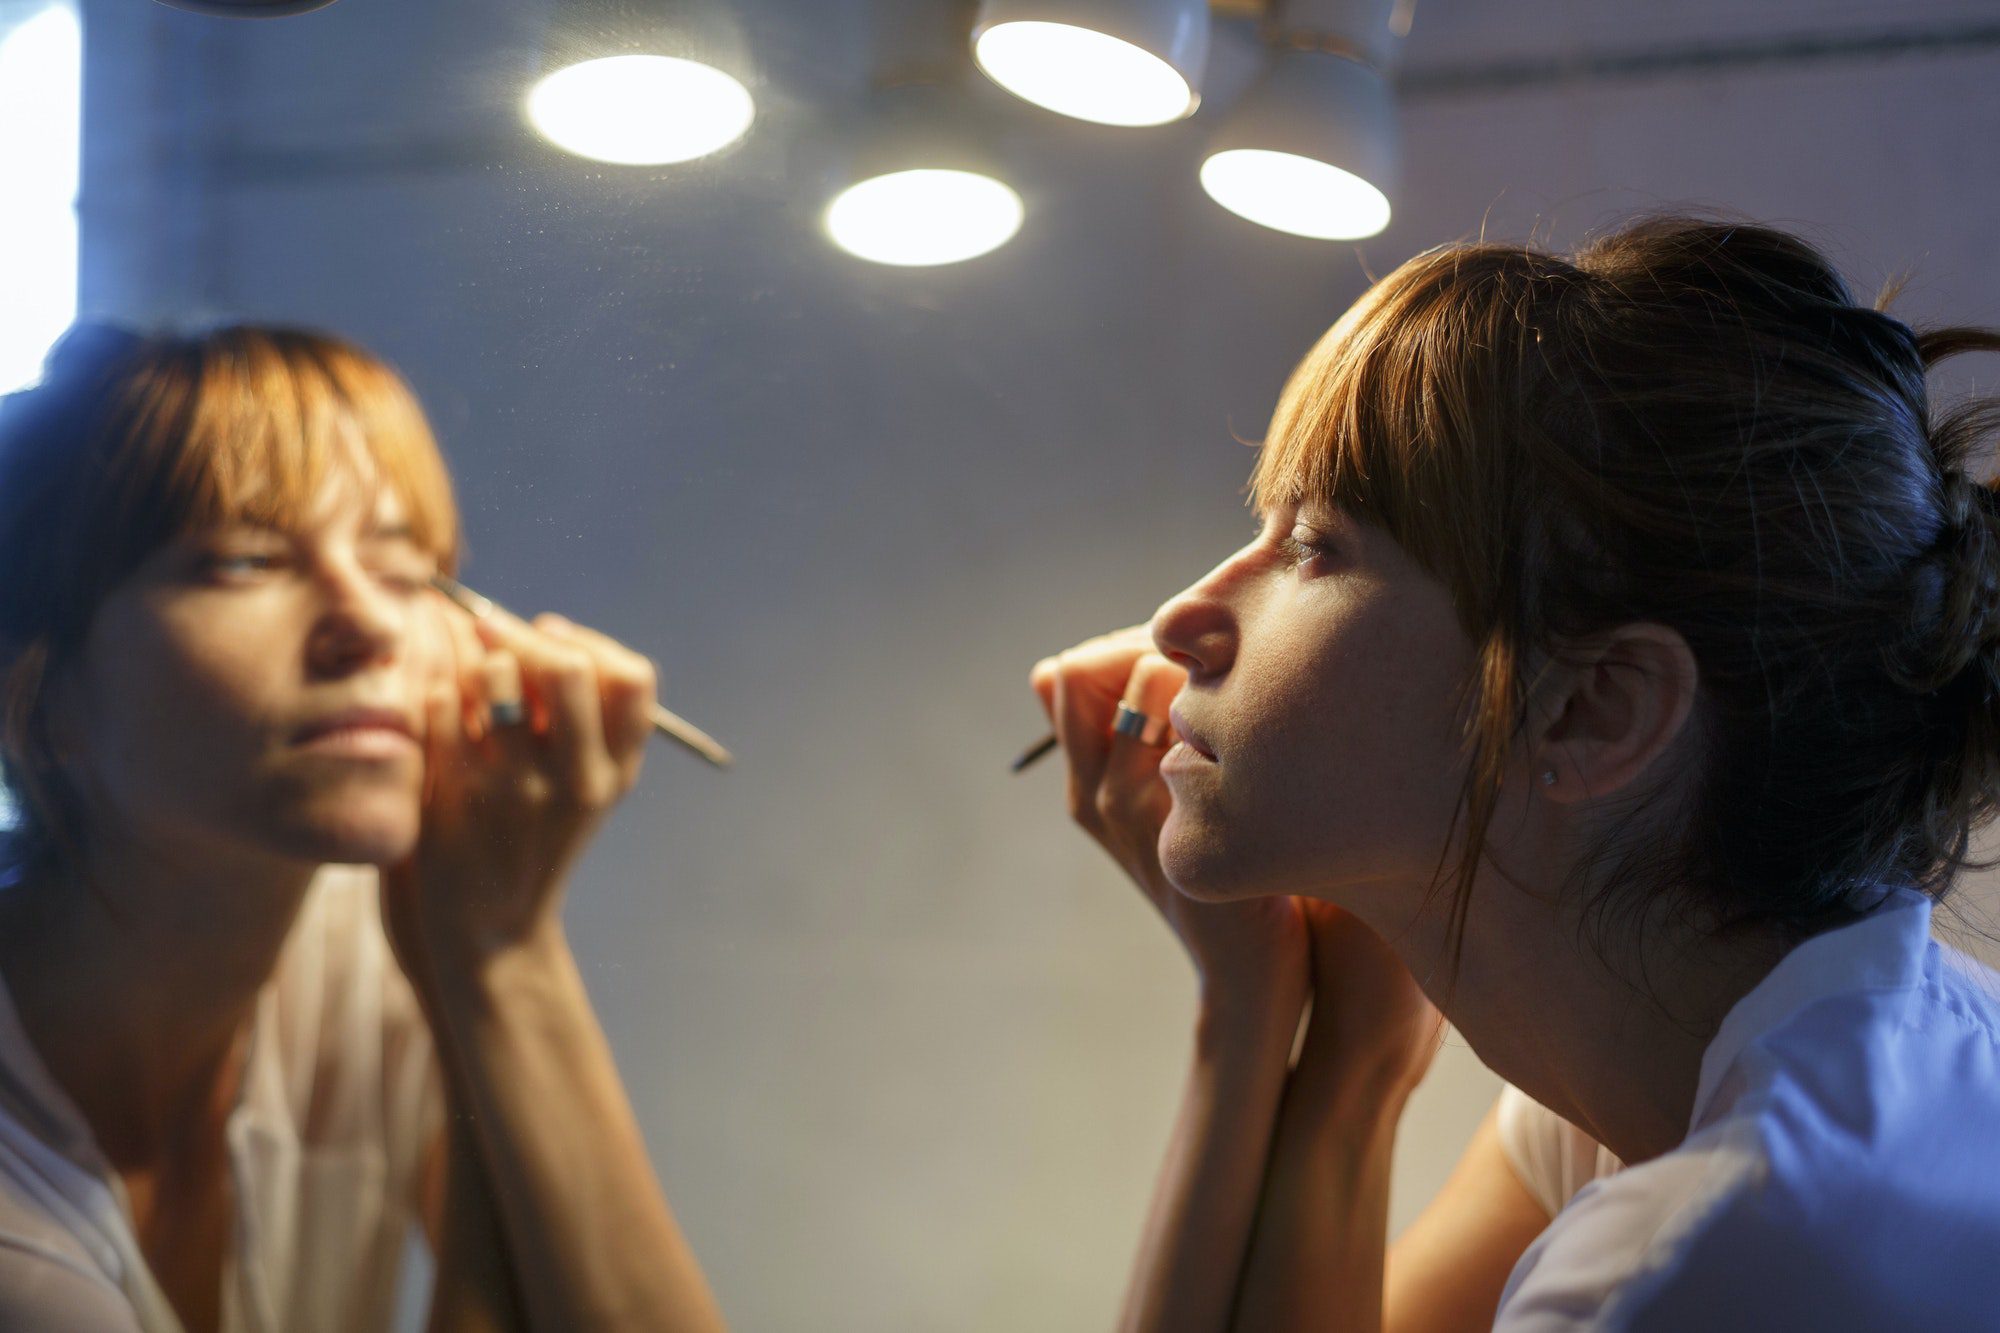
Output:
x,y
1134,763
628,683
443,734
563,679
1080,688
467,652
502,695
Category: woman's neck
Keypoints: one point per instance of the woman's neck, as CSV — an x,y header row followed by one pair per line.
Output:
x,y
135,976
1612,1042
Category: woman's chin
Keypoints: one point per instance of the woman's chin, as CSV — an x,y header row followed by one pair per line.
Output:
x,y
1193,862
368,833
1203,864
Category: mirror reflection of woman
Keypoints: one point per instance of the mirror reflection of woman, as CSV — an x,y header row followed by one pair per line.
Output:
x,y
1615,671
284,968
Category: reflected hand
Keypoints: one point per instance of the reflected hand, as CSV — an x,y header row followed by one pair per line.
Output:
x,y
510,805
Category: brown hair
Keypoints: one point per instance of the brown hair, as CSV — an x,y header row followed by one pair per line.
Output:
x,y
133,440
1691,423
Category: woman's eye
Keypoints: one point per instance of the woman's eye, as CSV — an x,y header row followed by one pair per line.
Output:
x,y
1298,550
402,576
243,563
405,581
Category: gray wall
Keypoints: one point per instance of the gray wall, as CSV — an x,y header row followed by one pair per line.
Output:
x,y
905,1046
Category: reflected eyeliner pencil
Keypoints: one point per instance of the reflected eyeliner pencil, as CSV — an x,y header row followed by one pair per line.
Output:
x,y
665,722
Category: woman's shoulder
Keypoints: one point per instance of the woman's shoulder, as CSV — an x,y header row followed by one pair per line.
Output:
x,y
1883,1085
60,1245
1793,1237
1752,1223
45,1289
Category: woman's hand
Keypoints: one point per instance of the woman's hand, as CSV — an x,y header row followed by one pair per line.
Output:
x,y
1251,953
510,805
1373,1031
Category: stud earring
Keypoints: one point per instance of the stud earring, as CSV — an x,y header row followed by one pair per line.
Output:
x,y
1548,777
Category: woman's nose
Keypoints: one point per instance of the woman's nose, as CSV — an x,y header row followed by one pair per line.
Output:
x,y
359,623
1196,628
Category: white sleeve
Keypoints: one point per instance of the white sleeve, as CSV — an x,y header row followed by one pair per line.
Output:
x,y
1553,1158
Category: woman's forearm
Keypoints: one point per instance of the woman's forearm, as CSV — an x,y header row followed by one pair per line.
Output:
x,y
592,1240
1321,1234
473,1291
1198,1227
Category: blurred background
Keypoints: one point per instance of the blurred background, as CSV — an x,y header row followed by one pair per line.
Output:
x,y
905,1045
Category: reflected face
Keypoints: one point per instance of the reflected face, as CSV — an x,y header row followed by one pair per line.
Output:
x,y
261,690
1319,732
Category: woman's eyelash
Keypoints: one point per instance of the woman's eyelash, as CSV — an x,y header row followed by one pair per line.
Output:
x,y
1290,546
1296,551
263,562
227,561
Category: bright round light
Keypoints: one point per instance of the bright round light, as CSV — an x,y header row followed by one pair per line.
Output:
x,y
1083,73
1300,195
641,110
924,217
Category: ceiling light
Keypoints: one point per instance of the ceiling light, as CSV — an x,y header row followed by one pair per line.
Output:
x,y
624,84
926,189
1117,62
923,216
1314,147
640,110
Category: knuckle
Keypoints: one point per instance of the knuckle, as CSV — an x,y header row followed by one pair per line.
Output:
x,y
644,675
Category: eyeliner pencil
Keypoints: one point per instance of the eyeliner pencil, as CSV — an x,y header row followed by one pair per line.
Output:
x,y
666,723
1033,752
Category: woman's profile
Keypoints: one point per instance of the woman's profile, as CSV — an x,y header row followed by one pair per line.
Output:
x,y
284,971
1615,672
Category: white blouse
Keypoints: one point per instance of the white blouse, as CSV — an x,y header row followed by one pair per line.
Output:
x,y
1841,1168
341,1094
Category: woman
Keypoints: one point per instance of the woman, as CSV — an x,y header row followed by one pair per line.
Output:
x,y
1615,672
283,960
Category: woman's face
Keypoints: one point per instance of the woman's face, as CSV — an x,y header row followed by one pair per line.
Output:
x,y
1323,669
259,691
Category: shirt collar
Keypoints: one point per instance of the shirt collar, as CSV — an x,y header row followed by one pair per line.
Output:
x,y
1884,950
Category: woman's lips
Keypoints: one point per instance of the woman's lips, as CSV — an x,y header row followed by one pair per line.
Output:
x,y
365,733
1186,734
362,743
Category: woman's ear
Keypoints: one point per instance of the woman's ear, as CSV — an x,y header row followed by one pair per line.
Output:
x,y
1621,700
